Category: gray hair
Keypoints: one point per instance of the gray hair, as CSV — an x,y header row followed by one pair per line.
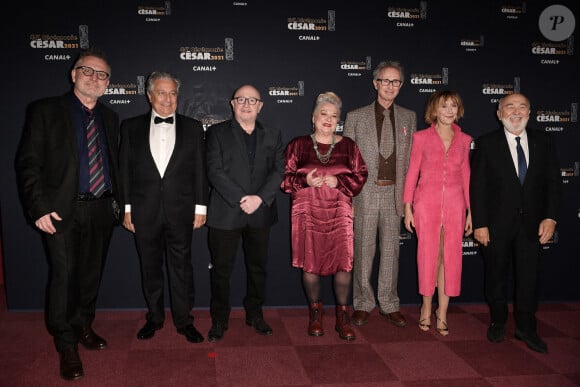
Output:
x,y
327,97
156,75
388,64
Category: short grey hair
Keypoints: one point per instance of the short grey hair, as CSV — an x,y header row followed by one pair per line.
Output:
x,y
327,97
156,75
388,64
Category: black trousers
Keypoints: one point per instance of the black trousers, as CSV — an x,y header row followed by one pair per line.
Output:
x,y
521,250
223,245
161,241
76,256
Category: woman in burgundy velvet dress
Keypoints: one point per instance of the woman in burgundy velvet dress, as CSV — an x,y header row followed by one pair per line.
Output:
x,y
323,172
436,200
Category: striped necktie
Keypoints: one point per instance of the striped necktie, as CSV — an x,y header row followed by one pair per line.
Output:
x,y
96,175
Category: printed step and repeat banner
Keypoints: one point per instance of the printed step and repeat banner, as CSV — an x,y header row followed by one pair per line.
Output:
x,y
292,51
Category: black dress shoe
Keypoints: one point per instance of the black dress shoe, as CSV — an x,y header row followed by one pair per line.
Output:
x,y
532,341
148,330
90,340
496,332
260,326
216,331
191,334
71,367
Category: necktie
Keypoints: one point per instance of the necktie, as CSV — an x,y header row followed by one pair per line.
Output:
x,y
159,120
96,175
522,166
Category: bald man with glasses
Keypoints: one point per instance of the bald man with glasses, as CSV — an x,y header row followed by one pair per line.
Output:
x,y
245,163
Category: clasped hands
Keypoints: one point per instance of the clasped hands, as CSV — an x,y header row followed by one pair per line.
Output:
x,y
314,179
250,203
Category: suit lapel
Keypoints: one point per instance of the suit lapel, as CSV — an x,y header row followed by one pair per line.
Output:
x,y
145,140
532,154
178,143
504,152
71,134
371,127
240,146
400,131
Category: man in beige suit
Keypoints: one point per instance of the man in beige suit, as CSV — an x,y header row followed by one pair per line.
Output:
x,y
383,133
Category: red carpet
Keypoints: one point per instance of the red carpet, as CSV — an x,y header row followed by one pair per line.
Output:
x,y
382,354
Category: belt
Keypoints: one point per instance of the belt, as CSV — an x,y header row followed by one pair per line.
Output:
x,y
384,183
89,197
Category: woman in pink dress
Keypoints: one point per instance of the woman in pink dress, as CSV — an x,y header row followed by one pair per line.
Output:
x,y
436,200
323,172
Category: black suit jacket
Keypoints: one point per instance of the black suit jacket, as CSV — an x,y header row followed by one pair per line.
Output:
x,y
230,176
184,183
47,162
498,199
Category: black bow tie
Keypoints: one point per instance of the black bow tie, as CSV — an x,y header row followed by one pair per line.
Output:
x,y
159,120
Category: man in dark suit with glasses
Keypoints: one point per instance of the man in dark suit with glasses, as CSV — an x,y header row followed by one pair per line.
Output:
x,y
245,162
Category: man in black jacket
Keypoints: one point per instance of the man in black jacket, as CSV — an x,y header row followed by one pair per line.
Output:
x,y
68,178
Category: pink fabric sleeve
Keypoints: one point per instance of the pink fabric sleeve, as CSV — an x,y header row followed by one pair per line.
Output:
x,y
413,170
466,171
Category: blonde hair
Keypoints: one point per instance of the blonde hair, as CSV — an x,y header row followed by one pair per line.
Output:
x,y
327,97
436,98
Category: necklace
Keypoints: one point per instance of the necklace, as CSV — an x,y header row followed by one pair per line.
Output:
x,y
325,158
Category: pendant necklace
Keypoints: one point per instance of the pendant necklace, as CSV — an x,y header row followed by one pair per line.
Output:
x,y
325,158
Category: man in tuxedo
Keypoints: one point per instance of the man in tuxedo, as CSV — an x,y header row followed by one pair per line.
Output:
x,y
245,162
163,167
515,194
68,179
383,132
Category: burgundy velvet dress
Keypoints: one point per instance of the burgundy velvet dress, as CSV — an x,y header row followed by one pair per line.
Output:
x,y
437,183
322,220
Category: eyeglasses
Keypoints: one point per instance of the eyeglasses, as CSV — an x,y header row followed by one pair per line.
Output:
x,y
243,100
387,82
89,71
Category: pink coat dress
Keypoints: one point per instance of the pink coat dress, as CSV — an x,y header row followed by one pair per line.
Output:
x,y
437,184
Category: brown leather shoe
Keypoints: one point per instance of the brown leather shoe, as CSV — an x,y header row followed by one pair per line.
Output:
x,y
71,367
395,318
90,340
360,317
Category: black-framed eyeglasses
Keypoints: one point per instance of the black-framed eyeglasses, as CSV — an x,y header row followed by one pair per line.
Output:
x,y
387,82
89,71
243,100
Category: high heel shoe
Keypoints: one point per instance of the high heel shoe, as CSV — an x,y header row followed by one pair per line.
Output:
x,y
424,323
442,331
425,327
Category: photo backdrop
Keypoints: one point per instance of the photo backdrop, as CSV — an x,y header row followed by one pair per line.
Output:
x,y
292,51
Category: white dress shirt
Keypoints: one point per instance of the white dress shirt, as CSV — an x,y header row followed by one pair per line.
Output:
x,y
511,139
162,142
